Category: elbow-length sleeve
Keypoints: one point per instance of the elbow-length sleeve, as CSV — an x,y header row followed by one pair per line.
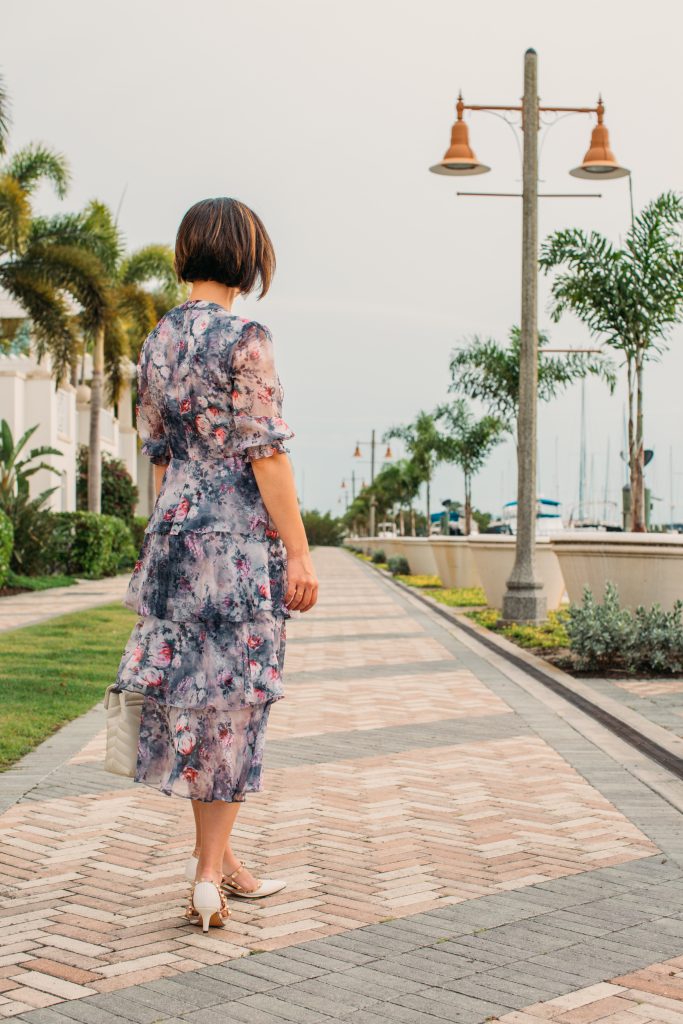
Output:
x,y
257,395
148,418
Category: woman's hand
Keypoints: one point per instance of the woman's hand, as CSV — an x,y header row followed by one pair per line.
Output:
x,y
302,583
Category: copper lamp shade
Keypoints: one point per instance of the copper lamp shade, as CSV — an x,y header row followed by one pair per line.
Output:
x,y
599,161
460,158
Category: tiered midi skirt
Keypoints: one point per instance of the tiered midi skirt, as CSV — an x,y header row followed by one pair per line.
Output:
x,y
207,653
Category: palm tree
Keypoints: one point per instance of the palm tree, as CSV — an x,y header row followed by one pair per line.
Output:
x,y
396,484
46,263
422,440
489,372
468,443
139,287
630,298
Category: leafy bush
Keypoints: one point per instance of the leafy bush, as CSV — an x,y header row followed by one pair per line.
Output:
x,y
28,516
323,529
598,633
6,545
397,564
119,493
90,545
607,636
137,528
378,557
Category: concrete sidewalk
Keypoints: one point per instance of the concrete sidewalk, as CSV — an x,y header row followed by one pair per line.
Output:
x,y
36,606
459,844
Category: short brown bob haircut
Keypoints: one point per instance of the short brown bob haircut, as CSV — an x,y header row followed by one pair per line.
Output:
x,y
223,240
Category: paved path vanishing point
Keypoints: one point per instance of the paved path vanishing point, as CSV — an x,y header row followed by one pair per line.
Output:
x,y
460,844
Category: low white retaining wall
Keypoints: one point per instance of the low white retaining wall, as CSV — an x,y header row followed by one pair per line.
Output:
x,y
454,562
647,568
494,557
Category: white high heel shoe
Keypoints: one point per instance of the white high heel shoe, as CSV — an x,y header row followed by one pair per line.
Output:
x,y
266,886
209,905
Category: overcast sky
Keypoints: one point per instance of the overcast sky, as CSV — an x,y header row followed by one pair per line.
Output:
x,y
324,117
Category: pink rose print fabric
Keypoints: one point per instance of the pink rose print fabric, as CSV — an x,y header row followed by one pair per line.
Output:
x,y
207,652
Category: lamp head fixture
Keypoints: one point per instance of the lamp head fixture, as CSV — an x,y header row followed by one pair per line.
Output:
x,y
460,158
357,453
387,454
599,161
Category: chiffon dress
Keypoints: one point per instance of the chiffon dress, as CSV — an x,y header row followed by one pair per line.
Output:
x,y
207,651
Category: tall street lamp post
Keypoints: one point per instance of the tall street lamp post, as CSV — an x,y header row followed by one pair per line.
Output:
x,y
523,600
357,455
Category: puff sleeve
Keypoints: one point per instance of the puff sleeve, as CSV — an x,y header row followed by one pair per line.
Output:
x,y
257,395
150,424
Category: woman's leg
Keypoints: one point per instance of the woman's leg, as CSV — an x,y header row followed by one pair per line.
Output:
x,y
215,821
196,804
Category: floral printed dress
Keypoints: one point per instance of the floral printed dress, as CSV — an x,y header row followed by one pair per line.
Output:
x,y
207,652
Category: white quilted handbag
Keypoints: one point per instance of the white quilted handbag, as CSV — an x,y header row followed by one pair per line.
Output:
x,y
123,729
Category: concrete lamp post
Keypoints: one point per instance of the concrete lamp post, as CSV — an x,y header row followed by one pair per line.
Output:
x,y
523,601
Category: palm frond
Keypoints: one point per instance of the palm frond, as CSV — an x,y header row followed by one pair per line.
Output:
x,y
99,221
136,306
116,350
72,270
52,325
36,163
151,264
4,116
15,215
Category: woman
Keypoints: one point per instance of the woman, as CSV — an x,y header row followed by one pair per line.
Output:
x,y
224,558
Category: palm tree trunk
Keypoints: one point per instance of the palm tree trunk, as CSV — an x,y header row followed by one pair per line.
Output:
x,y
94,449
401,522
638,484
631,435
468,504
428,501
412,522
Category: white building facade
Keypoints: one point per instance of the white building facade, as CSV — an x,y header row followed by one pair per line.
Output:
x,y
29,397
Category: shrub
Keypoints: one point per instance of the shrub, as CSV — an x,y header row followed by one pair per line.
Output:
x,y
378,557
28,516
32,540
598,633
397,564
119,493
606,636
137,528
90,545
6,544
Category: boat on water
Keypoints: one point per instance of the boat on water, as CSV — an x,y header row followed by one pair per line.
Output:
x,y
548,518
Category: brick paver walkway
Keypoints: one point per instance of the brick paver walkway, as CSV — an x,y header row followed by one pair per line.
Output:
x,y
456,846
24,609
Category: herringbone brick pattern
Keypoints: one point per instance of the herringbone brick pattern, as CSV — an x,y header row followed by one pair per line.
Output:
x,y
93,890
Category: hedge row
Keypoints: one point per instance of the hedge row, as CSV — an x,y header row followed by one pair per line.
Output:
x,y
89,545
6,542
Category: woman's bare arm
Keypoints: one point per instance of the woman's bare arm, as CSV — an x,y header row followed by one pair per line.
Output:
x,y
158,478
275,481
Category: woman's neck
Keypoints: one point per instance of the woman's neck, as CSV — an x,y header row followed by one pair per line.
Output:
x,y
212,291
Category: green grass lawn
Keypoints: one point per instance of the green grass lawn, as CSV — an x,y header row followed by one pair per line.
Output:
x,y
52,672
15,579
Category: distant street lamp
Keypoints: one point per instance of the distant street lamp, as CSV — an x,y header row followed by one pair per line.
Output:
x,y
523,601
387,456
